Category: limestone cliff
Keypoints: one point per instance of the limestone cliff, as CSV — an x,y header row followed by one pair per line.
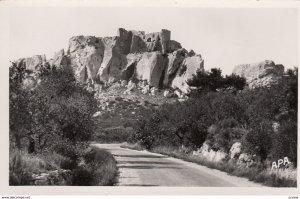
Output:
x,y
153,58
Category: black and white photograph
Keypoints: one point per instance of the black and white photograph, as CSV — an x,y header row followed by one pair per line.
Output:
x,y
152,96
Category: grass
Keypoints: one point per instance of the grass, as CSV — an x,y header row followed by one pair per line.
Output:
x,y
258,173
97,168
23,166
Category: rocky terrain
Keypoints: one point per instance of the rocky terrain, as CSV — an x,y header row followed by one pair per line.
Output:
x,y
152,58
259,74
151,61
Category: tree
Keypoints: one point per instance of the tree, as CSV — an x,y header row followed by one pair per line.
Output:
x,y
19,113
62,109
56,112
213,81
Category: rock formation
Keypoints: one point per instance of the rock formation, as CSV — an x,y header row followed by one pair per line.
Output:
x,y
209,154
131,55
260,74
186,71
32,63
151,58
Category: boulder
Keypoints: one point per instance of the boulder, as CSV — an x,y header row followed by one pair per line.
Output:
x,y
245,159
29,82
168,94
177,93
188,68
124,83
153,91
131,86
32,63
265,73
206,152
276,127
182,99
146,90
142,84
235,150
98,113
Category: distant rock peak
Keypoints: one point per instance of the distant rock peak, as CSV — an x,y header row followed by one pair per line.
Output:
x,y
261,74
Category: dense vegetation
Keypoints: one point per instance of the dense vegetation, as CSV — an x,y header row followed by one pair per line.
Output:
x,y
50,126
220,112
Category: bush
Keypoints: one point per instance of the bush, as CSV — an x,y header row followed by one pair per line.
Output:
x,y
99,168
84,176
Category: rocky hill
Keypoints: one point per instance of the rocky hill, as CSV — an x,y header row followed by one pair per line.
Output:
x,y
135,59
152,58
260,74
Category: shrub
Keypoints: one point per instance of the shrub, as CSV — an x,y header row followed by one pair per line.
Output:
x,y
258,140
83,176
99,168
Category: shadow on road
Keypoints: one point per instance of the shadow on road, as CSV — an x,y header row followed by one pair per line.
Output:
x,y
143,185
141,156
147,167
144,162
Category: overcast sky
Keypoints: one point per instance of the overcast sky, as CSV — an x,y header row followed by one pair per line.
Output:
x,y
225,37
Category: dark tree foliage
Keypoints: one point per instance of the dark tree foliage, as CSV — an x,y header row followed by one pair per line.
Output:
x,y
224,134
19,113
55,115
264,108
222,118
213,81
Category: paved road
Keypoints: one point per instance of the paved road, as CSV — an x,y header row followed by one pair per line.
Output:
x,y
142,168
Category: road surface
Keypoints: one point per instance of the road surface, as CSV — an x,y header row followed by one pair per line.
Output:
x,y
142,168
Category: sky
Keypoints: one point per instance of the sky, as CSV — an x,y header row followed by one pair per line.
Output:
x,y
225,37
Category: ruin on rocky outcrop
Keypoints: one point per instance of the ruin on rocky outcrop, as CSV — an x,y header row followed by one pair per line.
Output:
x,y
134,56
152,58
